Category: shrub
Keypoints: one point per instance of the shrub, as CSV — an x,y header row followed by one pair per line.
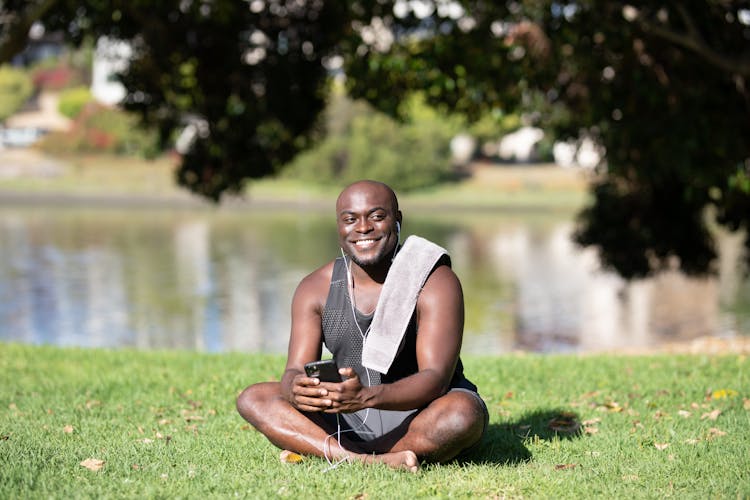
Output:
x,y
53,77
99,129
363,143
73,100
15,89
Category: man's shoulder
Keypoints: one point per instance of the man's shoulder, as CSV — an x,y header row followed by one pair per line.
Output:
x,y
319,279
312,291
441,280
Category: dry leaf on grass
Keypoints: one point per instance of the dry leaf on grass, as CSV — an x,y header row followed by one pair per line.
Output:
x,y
661,446
684,413
565,423
68,429
714,432
289,457
713,415
565,466
613,406
93,464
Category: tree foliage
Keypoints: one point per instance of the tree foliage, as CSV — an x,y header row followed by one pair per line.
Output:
x,y
661,85
249,72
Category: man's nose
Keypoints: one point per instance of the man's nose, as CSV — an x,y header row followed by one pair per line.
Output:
x,y
363,225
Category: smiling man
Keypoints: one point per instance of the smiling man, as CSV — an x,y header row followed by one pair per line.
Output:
x,y
421,408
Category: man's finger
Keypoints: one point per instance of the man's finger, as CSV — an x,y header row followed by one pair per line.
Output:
x,y
316,403
302,390
308,381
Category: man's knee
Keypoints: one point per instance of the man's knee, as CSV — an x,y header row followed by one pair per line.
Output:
x,y
462,415
252,402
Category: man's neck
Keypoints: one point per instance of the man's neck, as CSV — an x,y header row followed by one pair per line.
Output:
x,y
375,273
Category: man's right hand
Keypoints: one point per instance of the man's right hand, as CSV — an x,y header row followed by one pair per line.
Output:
x,y
308,394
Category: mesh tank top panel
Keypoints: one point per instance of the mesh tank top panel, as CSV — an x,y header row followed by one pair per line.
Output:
x,y
344,341
340,334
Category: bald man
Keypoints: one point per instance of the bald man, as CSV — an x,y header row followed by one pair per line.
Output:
x,y
423,408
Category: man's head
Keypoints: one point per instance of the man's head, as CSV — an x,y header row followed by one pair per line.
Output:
x,y
367,215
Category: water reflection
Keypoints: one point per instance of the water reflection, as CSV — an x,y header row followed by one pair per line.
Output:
x,y
221,281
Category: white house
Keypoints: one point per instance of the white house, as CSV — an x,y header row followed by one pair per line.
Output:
x,y
110,57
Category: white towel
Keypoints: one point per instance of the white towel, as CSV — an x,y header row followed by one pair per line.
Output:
x,y
397,301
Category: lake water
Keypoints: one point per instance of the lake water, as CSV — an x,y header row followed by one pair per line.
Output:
x,y
223,281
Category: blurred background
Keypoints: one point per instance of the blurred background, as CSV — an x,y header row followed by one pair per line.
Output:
x,y
168,170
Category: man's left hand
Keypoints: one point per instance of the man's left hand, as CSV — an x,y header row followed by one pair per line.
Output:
x,y
346,396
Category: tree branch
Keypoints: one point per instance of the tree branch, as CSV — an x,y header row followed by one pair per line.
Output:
x,y
693,41
15,28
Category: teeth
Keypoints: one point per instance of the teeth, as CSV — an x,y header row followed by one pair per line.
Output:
x,y
364,242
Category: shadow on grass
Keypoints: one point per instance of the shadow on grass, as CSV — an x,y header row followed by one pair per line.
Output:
x,y
505,443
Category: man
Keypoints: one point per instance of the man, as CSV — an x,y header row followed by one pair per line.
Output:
x,y
422,408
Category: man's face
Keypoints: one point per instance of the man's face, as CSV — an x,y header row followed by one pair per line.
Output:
x,y
367,217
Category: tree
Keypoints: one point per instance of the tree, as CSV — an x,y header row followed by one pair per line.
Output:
x,y
251,73
661,85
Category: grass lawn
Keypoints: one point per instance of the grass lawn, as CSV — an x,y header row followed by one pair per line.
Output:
x,y
163,424
101,178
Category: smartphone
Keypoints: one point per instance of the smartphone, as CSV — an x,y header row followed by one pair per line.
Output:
x,y
325,370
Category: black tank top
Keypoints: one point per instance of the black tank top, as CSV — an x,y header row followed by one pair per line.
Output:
x,y
344,340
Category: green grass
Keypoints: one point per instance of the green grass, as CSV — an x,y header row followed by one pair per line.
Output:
x,y
165,426
102,177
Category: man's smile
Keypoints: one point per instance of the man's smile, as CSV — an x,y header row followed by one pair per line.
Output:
x,y
366,242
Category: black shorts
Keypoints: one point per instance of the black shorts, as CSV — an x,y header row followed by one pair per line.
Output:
x,y
382,425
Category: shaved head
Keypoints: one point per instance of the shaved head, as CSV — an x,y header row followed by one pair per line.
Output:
x,y
368,186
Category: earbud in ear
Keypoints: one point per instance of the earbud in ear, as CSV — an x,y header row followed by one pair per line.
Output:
x,y
398,227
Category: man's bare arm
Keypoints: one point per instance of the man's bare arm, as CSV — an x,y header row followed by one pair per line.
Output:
x,y
305,342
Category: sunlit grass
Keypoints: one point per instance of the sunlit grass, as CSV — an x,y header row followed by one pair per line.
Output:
x,y
164,425
102,175
491,186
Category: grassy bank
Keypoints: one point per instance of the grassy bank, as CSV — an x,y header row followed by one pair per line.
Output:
x,y
106,178
163,425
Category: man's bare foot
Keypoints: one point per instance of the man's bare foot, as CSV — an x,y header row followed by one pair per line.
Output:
x,y
406,460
